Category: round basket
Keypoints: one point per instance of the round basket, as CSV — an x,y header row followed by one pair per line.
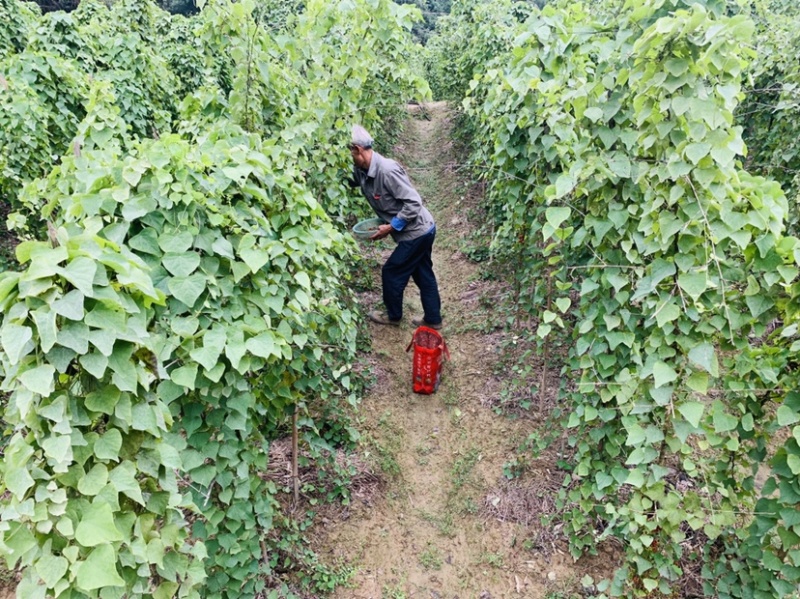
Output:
x,y
367,228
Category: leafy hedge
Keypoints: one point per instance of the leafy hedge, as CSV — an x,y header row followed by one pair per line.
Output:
x,y
616,184
181,291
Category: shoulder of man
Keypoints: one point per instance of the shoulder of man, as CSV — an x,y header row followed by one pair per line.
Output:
x,y
387,165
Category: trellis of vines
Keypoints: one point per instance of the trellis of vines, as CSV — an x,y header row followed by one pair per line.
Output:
x,y
614,161
180,290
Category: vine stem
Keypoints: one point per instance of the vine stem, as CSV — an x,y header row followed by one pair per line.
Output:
x,y
663,305
250,44
713,256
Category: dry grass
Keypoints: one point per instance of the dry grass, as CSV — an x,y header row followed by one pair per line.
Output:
x,y
365,483
528,501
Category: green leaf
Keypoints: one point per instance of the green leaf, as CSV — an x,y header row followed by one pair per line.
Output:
x,y
40,380
18,481
263,345
564,184
207,356
556,215
144,418
99,570
636,436
790,516
635,478
668,313
787,416
651,584
51,569
563,304
692,411
8,283
698,381
103,317
678,168
722,421
187,289
303,280
166,590
145,242
175,242
95,364
254,258
704,356
45,320
793,462
594,113
108,445
792,400
75,336
181,265
603,480
103,400
239,173
663,374
693,284
240,271
641,455
620,165
97,526
81,272
758,304
19,540
45,260
94,480
185,376
123,477
16,341
676,67
184,327
697,151
223,247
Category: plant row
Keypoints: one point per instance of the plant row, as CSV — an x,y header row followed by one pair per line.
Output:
x,y
181,292
610,140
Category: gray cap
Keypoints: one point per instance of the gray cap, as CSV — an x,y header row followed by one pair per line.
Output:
x,y
361,137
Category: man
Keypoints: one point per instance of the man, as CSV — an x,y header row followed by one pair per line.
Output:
x,y
390,194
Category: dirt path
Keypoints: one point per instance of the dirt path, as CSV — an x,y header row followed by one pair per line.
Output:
x,y
429,534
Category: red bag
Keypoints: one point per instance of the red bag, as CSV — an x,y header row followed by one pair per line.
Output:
x,y
429,353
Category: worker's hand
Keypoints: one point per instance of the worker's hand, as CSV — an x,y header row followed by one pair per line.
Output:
x,y
383,231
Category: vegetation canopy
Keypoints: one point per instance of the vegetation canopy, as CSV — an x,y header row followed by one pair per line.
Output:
x,y
612,137
180,293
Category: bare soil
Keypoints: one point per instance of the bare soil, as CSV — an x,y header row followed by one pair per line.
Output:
x,y
448,524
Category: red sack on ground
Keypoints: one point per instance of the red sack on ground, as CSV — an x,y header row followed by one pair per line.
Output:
x,y
430,350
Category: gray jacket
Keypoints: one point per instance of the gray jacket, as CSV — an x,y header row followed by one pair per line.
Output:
x,y
391,195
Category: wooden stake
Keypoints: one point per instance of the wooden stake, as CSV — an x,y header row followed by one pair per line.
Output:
x,y
295,470
545,353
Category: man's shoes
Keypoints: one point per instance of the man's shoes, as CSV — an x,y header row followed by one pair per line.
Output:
x,y
382,318
420,322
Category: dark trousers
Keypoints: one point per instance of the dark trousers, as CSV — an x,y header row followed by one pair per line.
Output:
x,y
412,259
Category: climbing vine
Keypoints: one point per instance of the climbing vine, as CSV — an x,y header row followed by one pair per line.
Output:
x,y
181,290
614,164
